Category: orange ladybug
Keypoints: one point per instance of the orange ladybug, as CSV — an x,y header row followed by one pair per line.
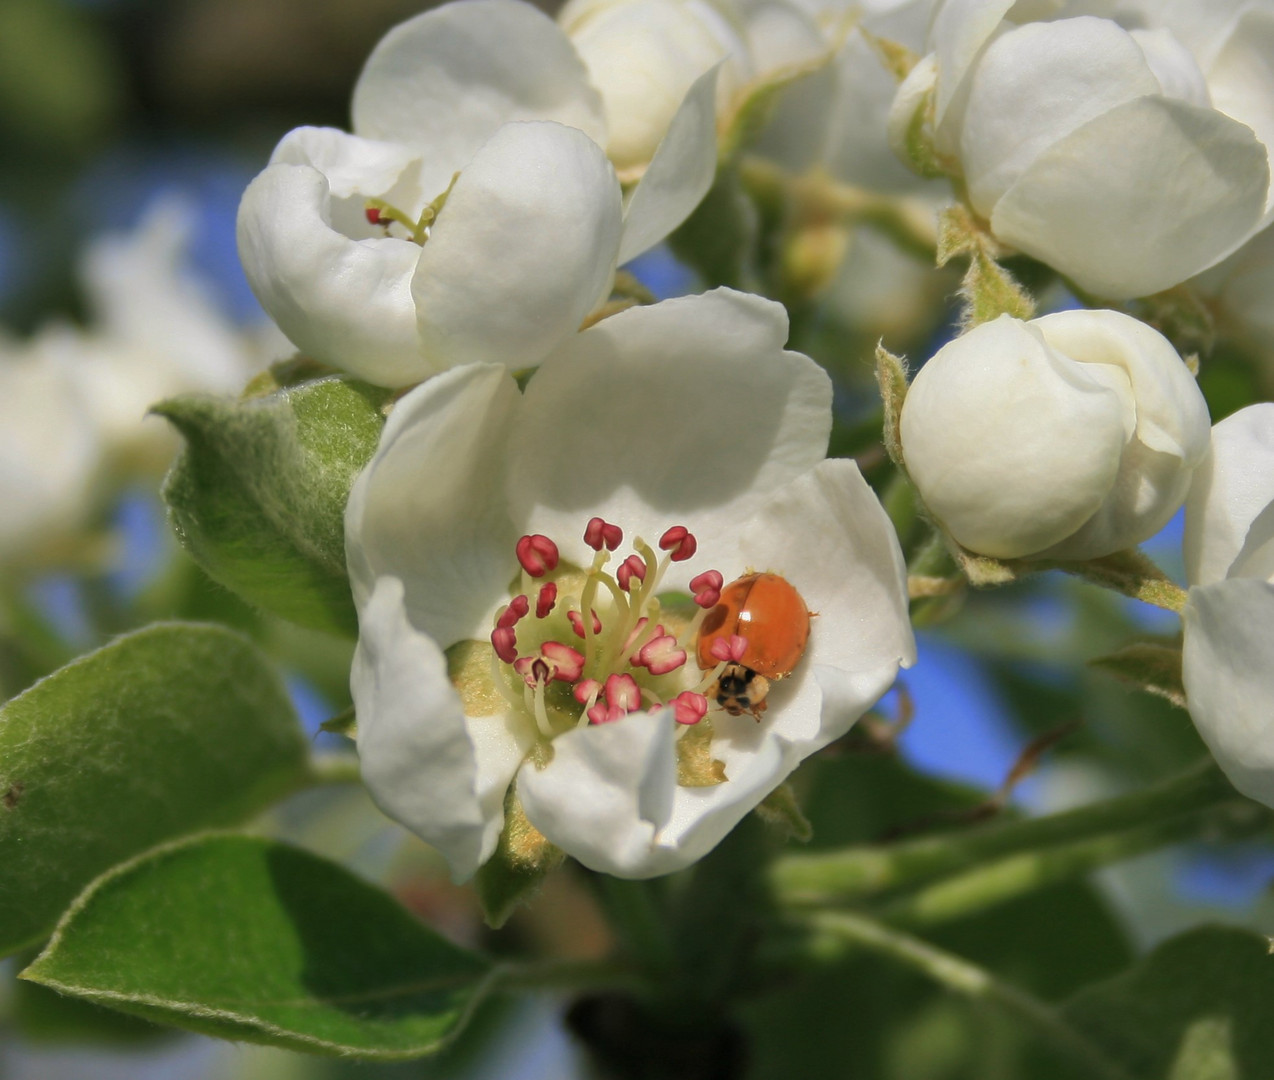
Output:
x,y
767,611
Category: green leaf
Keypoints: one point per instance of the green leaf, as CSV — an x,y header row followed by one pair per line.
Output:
x,y
171,729
246,938
891,378
258,495
1148,666
42,1016
1200,1007
988,289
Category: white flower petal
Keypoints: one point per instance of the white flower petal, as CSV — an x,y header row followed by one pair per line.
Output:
x,y
522,251
1036,84
1228,670
429,507
1140,199
688,409
1174,66
354,167
959,30
680,173
1241,78
607,791
344,302
447,79
1231,488
417,757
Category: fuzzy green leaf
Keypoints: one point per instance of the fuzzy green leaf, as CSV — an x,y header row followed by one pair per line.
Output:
x,y
246,938
258,495
1200,1007
522,860
891,378
171,729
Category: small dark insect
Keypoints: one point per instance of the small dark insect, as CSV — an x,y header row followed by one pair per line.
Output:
x,y
13,795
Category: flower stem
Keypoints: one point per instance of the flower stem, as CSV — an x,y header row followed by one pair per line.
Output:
x,y
971,981
859,872
1132,573
639,920
336,768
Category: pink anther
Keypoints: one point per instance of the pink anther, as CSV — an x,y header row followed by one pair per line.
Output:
x,y
631,567
660,655
601,713
599,534
547,598
707,588
568,665
373,215
622,692
688,707
518,607
729,649
505,643
537,554
586,690
680,542
577,623
534,669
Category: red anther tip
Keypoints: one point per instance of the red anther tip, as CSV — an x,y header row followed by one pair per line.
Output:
x,y
730,649
373,215
680,541
518,607
546,600
689,708
707,588
600,534
577,623
622,692
568,665
586,689
505,643
631,567
537,554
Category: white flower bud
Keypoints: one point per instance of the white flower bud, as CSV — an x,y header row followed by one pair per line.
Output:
x,y
643,56
1072,436
1128,157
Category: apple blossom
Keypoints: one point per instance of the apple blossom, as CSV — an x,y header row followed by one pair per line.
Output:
x,y
496,648
1228,651
1071,436
472,216
1129,158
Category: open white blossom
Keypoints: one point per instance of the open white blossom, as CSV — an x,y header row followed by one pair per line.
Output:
x,y
1228,657
472,216
478,541
1129,155
1071,436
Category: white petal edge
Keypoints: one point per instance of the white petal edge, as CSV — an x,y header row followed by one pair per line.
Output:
x,y
1094,205
606,792
429,509
680,173
345,302
416,754
1228,671
523,250
1232,486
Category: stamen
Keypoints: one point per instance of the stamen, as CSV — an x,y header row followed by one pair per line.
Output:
x,y
586,690
547,599
537,554
567,664
373,215
518,607
680,542
605,714
660,655
577,623
707,588
541,713
599,534
505,643
729,649
622,692
689,708
631,567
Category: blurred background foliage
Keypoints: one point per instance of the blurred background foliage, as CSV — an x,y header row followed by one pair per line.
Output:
x,y
106,103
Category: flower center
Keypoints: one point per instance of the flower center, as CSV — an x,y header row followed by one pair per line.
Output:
x,y
385,214
588,646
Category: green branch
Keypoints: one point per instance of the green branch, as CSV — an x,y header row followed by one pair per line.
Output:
x,y
973,982
860,872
